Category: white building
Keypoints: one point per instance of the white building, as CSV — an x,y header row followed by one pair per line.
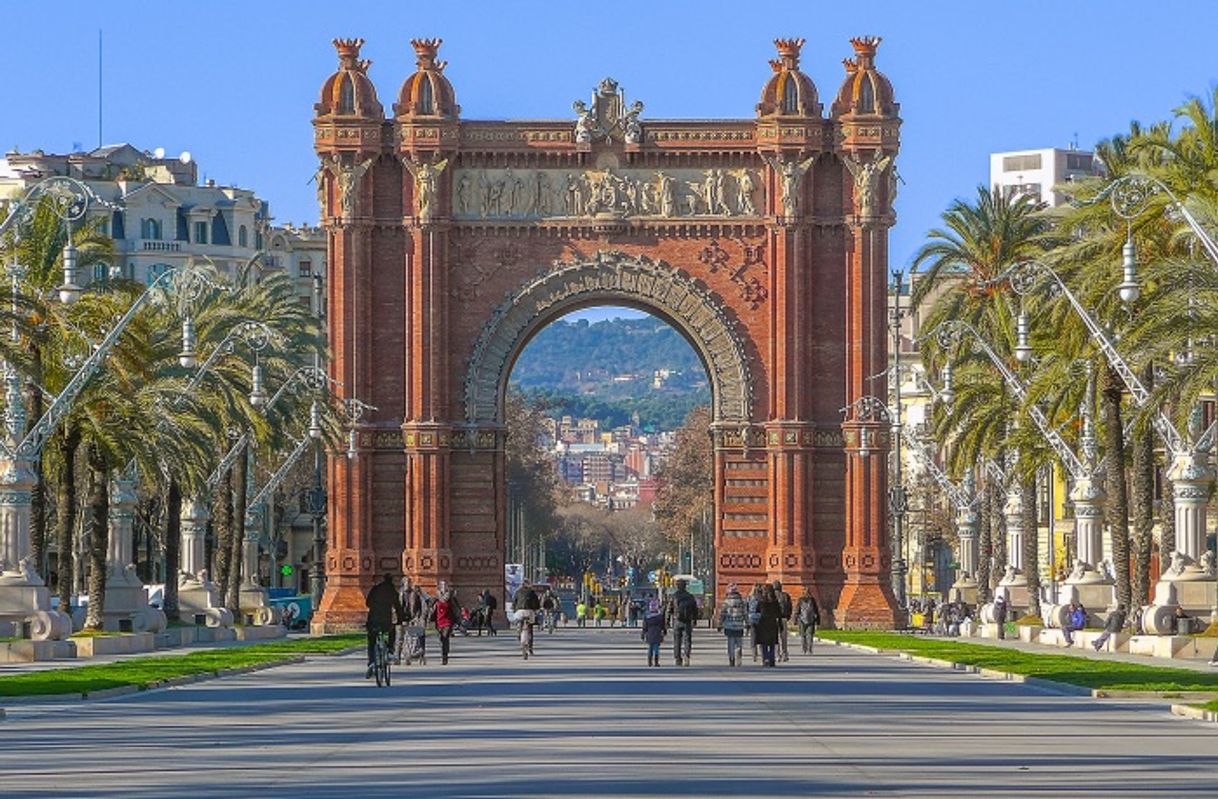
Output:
x,y
1036,172
159,217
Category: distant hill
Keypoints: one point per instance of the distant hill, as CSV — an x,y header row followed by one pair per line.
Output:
x,y
611,369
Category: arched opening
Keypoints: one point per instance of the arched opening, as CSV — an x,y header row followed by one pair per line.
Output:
x,y
867,96
610,476
790,96
426,96
346,96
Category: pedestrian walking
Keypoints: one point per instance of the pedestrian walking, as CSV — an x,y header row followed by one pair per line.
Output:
x,y
1000,616
685,616
414,611
784,620
653,632
445,613
1113,624
581,614
807,614
489,605
733,618
754,615
769,619
598,612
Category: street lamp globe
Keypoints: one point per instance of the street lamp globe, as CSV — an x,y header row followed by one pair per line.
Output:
x,y
314,422
1023,351
188,358
69,292
948,394
1129,290
257,392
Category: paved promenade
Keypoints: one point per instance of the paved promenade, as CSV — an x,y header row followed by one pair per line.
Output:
x,y
586,718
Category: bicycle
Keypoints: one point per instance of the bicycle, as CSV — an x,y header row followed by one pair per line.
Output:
x,y
381,662
551,621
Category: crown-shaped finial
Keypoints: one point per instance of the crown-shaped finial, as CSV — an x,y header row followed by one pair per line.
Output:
x,y
788,52
425,50
851,65
348,51
865,47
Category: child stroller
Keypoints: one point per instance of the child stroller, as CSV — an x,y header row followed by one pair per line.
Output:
x,y
415,638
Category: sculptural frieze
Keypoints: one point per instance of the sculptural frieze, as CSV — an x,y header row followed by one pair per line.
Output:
x,y
348,177
790,175
509,193
426,177
867,176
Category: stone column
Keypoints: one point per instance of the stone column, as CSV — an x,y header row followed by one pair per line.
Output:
x,y
255,602
1087,495
1012,513
126,597
965,587
24,598
1192,480
198,596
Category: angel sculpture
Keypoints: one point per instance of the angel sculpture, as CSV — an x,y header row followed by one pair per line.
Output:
x,y
867,179
425,177
348,182
791,174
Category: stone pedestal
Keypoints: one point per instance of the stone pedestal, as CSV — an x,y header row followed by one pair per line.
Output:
x,y
126,597
198,596
25,602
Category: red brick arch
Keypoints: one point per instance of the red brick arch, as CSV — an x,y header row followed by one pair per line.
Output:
x,y
763,241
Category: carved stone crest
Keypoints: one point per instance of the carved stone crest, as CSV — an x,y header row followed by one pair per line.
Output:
x,y
608,117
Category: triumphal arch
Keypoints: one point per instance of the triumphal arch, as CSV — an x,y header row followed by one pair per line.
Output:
x,y
763,240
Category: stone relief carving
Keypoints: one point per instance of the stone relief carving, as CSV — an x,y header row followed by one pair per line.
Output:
x,y
608,117
867,176
752,290
618,193
425,179
611,276
791,176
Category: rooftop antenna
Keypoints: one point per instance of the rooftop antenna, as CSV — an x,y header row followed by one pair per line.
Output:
x,y
99,87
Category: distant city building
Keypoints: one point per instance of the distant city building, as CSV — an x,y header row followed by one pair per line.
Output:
x,y
160,217
1036,172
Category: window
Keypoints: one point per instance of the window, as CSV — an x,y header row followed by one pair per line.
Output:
x,y
1032,190
200,232
242,237
305,269
257,240
1079,161
155,271
101,273
867,96
1020,163
346,96
790,96
150,229
426,100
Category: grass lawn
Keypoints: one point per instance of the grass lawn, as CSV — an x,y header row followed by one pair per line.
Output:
x,y
1210,706
1111,675
144,671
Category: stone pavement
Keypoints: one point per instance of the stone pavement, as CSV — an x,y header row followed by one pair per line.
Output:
x,y
586,718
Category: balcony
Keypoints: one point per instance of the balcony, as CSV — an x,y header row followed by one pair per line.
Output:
x,y
153,245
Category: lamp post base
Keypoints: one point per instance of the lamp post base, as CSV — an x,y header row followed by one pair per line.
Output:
x,y
25,611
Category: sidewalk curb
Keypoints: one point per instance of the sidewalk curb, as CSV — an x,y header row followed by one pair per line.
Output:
x,y
1190,712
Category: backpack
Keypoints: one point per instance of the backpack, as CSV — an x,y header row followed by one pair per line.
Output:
x,y
687,609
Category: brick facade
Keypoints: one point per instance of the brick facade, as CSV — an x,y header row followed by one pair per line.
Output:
x,y
763,240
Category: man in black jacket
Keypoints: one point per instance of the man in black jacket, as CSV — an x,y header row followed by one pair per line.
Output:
x,y
785,610
684,617
384,612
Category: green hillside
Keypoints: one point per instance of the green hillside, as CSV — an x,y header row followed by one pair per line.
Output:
x,y
607,371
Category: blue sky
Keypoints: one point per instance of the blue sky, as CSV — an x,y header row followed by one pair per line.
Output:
x,y
235,83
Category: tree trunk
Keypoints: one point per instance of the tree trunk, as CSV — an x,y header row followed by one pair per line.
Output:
x,y
1167,522
65,511
38,494
223,529
99,536
1031,542
985,543
235,575
173,549
998,530
1117,506
1142,508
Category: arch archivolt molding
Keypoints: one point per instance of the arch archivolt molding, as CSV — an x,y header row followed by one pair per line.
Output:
x,y
611,276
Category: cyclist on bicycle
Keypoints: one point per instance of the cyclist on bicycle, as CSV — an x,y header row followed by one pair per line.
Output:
x,y
526,603
384,610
